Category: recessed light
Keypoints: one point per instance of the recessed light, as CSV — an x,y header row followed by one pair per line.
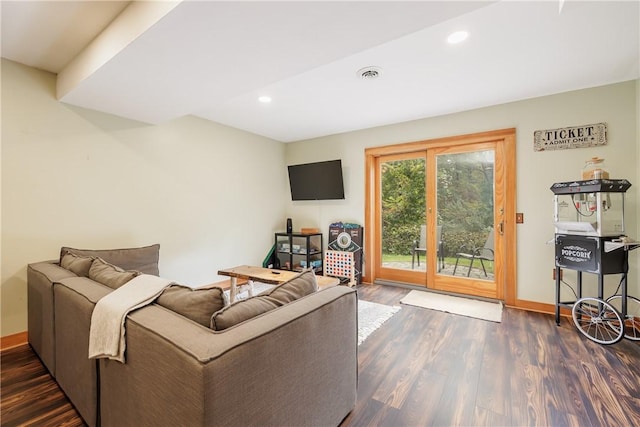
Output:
x,y
457,37
264,99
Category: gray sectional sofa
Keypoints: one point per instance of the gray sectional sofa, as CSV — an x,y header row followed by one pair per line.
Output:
x,y
281,359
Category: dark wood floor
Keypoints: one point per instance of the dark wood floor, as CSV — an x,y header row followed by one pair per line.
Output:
x,y
30,396
424,368
428,368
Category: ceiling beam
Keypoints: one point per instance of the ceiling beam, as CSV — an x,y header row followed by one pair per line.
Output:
x,y
137,18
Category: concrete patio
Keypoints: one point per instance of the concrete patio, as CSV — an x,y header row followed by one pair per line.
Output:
x,y
476,271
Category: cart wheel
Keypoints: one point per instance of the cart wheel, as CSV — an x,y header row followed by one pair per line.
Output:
x,y
597,320
632,319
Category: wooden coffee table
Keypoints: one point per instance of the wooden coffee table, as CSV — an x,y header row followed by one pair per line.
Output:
x,y
266,275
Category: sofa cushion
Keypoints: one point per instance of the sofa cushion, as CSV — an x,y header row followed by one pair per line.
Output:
x,y
109,274
301,285
240,311
143,259
77,264
195,304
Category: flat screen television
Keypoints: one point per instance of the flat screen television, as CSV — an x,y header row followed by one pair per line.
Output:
x,y
316,181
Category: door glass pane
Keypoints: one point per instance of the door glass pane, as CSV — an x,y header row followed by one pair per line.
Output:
x,y
403,213
465,202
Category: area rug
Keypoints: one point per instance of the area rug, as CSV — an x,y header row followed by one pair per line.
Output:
x,y
371,315
455,305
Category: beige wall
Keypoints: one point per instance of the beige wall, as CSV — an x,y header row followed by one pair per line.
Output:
x,y
76,177
209,193
616,105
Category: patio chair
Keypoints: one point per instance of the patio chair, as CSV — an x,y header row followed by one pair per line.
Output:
x,y
420,246
340,264
484,253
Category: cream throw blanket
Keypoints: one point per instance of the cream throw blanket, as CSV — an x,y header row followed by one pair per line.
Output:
x,y
107,332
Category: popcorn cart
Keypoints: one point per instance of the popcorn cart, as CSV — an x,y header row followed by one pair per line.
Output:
x,y
589,238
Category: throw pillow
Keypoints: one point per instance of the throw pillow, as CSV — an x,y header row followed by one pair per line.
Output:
x,y
109,274
240,311
79,265
195,304
143,259
301,285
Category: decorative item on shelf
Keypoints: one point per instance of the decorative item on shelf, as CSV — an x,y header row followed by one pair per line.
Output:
x,y
284,247
289,226
594,168
309,230
314,263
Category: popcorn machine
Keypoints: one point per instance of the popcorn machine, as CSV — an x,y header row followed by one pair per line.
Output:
x,y
589,237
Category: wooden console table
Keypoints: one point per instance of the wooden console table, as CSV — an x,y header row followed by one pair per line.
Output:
x,y
266,275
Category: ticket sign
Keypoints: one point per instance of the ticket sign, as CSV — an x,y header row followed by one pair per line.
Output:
x,y
570,137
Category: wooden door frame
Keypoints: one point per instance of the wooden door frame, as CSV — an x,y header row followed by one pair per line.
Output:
x,y
507,137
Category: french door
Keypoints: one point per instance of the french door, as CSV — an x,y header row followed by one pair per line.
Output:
x,y
440,214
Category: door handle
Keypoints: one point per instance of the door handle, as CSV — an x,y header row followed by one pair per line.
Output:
x,y
501,228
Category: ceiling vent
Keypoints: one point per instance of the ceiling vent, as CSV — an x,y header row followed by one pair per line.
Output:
x,y
370,73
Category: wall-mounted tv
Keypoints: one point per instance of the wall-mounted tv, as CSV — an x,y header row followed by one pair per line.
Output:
x,y
316,181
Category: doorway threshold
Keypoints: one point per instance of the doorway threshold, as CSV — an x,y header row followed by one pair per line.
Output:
x,y
425,289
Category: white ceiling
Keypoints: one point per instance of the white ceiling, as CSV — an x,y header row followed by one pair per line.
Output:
x,y
214,59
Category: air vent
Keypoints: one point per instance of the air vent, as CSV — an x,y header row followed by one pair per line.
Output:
x,y
369,73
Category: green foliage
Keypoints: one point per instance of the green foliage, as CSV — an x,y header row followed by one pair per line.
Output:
x,y
465,200
403,204
464,197
460,241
